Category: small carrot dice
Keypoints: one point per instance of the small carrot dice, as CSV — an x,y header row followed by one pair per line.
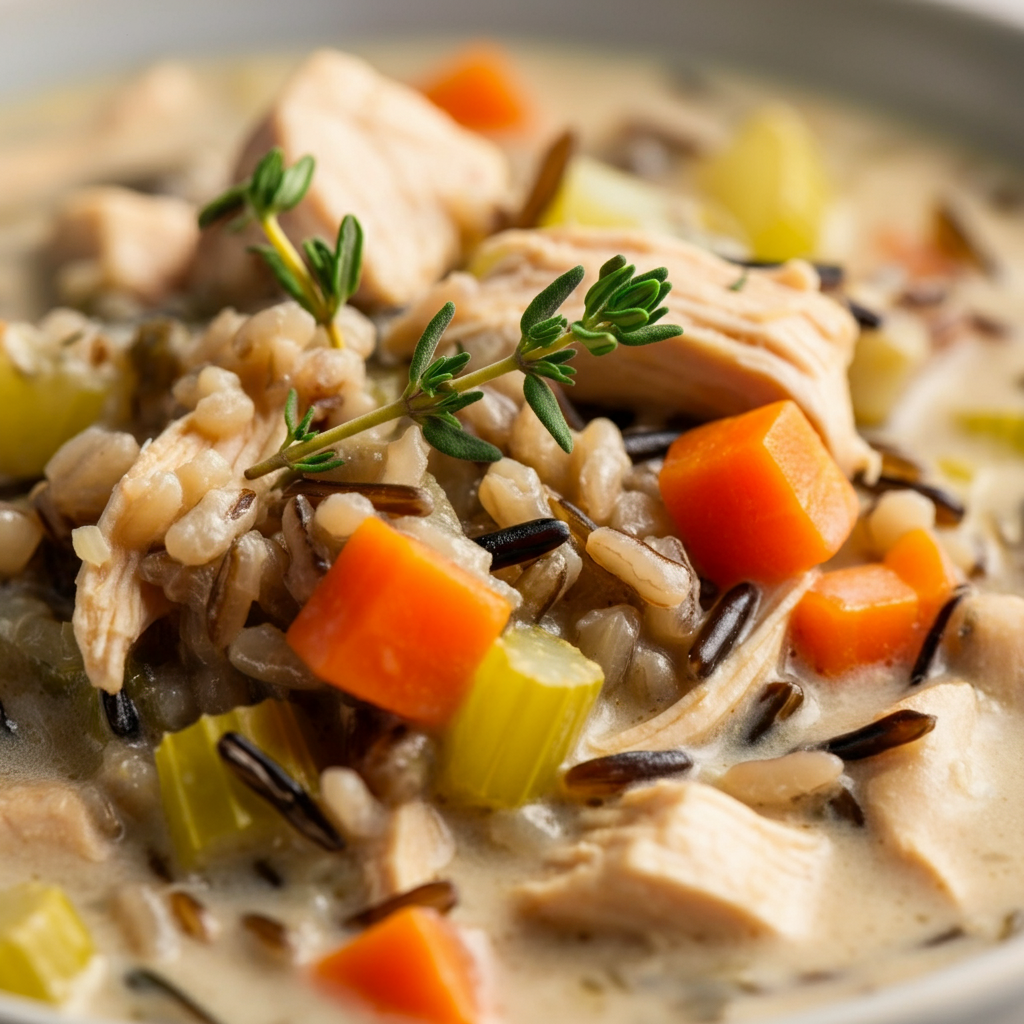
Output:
x,y
757,496
479,90
412,963
918,559
398,625
853,617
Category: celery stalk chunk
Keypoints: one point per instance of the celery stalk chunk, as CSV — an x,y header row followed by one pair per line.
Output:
x,y
772,180
1005,427
44,946
210,813
593,194
883,364
529,702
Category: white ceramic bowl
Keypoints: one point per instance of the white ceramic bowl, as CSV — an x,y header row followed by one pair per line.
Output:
x,y
960,72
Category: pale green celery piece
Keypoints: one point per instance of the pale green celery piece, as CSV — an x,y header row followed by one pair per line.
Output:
x,y
884,362
210,813
44,946
529,701
1006,427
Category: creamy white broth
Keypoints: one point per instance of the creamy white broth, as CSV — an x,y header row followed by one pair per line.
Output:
x,y
879,919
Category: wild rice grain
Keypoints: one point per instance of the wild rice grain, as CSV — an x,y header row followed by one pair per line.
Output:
x,y
722,629
523,542
143,978
930,646
877,737
845,807
122,714
193,917
395,499
267,779
271,935
778,701
658,580
265,870
606,776
647,444
440,896
949,511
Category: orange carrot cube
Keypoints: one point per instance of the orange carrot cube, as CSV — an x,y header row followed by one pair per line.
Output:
x,y
853,617
479,89
757,496
412,963
398,625
918,559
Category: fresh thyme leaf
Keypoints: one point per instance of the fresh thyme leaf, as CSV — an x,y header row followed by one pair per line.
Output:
x,y
349,257
650,334
285,278
561,374
429,340
453,402
322,462
627,319
612,265
642,294
550,300
294,184
321,261
542,401
454,441
266,181
597,343
291,410
230,204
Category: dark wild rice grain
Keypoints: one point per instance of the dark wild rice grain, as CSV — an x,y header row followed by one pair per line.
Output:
x,y
271,934
930,646
268,779
268,873
395,499
122,715
722,629
867,318
845,807
547,181
193,917
606,776
949,935
877,737
523,542
580,524
646,444
949,511
440,896
141,979
778,701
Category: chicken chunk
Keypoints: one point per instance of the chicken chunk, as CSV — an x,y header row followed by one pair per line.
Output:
x,y
684,857
116,240
53,814
776,337
921,797
985,645
697,715
422,186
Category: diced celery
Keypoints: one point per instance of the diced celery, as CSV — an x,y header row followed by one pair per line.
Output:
x,y
530,699
1006,427
43,944
596,195
771,179
40,411
210,813
883,363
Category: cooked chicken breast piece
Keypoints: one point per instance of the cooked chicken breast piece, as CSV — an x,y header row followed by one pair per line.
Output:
x,y
117,240
50,813
422,186
985,644
921,797
685,857
775,337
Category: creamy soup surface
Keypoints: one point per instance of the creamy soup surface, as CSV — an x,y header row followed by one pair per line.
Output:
x,y
887,306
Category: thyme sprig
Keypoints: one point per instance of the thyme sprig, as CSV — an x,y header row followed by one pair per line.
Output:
x,y
620,308
328,276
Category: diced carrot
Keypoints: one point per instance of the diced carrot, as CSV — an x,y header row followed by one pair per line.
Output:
x,y
918,560
396,624
479,89
412,963
856,616
757,496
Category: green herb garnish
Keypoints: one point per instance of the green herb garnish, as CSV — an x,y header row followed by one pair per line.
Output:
x,y
329,276
621,308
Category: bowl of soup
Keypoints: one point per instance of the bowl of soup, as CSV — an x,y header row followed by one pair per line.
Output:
x,y
510,514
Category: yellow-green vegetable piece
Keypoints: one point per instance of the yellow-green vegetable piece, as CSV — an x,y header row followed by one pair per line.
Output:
x,y
1005,427
593,194
772,180
40,411
883,363
529,701
210,813
44,946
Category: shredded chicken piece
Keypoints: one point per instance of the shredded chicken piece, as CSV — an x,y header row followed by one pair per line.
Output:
x,y
776,337
50,814
116,240
985,644
695,717
920,797
422,186
684,857
417,846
